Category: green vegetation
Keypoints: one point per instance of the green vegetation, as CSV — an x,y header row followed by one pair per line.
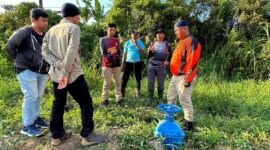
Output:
x,y
231,95
227,115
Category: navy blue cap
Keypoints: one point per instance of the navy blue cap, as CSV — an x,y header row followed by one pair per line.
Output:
x,y
181,23
160,31
134,32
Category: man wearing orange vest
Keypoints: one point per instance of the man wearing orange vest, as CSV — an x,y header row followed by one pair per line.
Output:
x,y
184,67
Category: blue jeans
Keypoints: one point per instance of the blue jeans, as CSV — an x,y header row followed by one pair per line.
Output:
x,y
32,85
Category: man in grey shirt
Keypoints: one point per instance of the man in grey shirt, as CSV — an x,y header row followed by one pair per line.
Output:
x,y
61,50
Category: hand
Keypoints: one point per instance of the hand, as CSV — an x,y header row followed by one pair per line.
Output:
x,y
187,84
135,42
152,47
62,82
167,62
70,69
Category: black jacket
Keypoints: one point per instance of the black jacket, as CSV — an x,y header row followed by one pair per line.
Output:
x,y
25,49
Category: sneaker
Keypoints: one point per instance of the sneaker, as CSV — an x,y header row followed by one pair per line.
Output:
x,y
31,131
188,126
120,102
105,103
123,93
65,137
93,139
41,123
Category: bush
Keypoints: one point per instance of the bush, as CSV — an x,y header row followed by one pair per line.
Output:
x,y
243,58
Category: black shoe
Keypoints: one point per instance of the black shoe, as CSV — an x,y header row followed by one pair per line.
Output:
x,y
105,103
188,126
150,98
120,102
41,123
123,93
160,97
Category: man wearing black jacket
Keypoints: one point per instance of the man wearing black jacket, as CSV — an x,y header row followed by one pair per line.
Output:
x,y
24,46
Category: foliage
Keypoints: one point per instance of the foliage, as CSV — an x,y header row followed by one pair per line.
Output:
x,y
146,16
247,58
237,38
54,18
96,12
90,43
228,115
18,16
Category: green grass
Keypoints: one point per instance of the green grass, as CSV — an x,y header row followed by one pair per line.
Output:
x,y
232,115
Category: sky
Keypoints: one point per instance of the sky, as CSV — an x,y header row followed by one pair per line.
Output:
x,y
55,4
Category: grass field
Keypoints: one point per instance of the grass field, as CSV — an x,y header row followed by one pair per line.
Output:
x,y
228,115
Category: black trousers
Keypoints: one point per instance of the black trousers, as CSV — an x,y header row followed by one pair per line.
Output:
x,y
129,67
79,91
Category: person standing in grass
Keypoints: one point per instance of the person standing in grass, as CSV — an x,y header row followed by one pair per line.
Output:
x,y
110,49
61,49
24,46
184,68
131,61
159,55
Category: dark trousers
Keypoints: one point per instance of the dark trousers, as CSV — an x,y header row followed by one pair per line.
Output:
x,y
79,91
152,74
129,67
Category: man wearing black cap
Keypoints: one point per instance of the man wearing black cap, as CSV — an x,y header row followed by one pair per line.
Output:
x,y
60,49
159,55
132,61
24,46
184,67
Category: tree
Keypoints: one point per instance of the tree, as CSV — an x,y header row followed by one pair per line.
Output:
x,y
23,13
15,17
96,12
146,16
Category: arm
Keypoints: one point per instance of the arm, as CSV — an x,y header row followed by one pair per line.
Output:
x,y
15,41
103,48
49,56
119,48
124,57
72,49
192,64
169,55
140,47
123,61
151,50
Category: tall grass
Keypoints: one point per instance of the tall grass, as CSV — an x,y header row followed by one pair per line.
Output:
x,y
227,114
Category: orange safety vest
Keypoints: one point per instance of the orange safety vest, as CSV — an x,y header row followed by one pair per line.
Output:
x,y
185,58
